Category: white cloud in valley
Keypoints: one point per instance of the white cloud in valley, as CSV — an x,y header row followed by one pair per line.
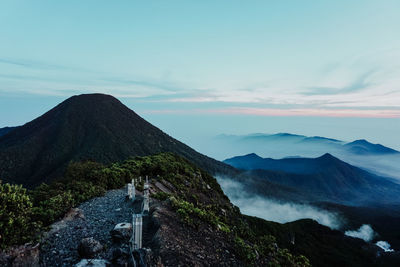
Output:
x,y
273,210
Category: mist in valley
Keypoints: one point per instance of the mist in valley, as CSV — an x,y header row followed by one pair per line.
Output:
x,y
274,210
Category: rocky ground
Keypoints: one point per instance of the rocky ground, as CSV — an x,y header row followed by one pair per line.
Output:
x,y
167,240
94,218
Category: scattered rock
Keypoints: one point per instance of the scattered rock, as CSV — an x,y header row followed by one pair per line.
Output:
x,y
89,247
73,231
122,232
25,255
74,213
92,263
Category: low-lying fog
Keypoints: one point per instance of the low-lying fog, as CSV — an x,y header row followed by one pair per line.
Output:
x,y
273,210
283,212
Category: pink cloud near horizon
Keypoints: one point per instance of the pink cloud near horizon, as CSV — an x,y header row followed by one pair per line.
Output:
x,y
270,112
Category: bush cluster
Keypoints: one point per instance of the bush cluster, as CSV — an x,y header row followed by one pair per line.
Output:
x,y
16,223
189,213
161,196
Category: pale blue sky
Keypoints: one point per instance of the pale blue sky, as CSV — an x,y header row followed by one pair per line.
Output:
x,y
311,67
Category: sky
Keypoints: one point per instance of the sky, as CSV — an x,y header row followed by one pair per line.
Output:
x,y
201,68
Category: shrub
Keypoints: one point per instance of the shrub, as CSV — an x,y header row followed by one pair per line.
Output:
x,y
244,251
161,196
84,190
189,212
53,208
16,225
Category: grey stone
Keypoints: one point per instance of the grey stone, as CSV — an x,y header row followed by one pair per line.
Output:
x,y
89,247
122,232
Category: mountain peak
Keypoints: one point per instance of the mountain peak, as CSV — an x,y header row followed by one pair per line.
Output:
x,y
361,142
94,127
252,155
328,160
92,97
362,146
327,156
92,101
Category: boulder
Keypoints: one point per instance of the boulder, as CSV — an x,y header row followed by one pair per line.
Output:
x,y
122,232
89,247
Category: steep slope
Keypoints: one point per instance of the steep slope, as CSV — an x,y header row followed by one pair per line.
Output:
x,y
325,178
192,223
94,126
5,130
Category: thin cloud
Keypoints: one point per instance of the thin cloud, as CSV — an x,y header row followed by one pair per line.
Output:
x,y
35,64
270,112
360,83
369,91
159,85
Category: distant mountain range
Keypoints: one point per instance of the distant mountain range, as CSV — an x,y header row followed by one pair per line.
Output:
x,y
325,178
357,147
375,158
86,127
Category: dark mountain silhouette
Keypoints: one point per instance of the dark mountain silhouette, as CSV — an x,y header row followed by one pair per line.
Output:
x,y
363,147
86,127
325,178
6,130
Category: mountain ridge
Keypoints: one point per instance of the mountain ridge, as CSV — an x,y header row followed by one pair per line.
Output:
x,y
325,177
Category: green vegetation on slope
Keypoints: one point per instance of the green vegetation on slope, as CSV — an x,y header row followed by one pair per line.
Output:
x,y
197,199
16,223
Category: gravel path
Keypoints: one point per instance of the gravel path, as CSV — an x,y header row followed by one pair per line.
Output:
x,y
100,215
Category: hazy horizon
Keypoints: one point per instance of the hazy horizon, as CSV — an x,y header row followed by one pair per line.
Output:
x,y
198,69
195,130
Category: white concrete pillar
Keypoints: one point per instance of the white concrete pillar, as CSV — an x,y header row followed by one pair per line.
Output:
x,y
129,193
137,226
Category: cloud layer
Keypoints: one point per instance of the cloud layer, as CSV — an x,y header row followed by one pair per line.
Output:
x,y
274,210
365,232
